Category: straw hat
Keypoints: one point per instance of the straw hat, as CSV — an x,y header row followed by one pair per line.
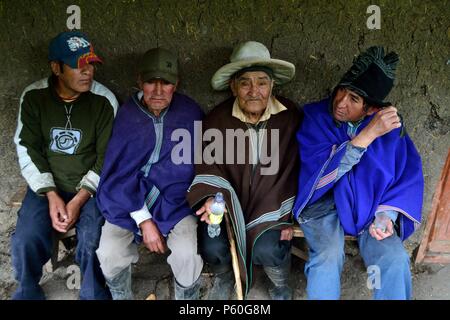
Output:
x,y
250,54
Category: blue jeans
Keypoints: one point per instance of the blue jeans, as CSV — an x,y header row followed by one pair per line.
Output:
x,y
32,245
325,238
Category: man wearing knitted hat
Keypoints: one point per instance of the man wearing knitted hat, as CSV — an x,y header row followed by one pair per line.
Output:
x,y
358,172
64,125
259,200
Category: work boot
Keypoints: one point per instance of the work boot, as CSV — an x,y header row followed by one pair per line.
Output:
x,y
120,285
223,286
279,276
187,293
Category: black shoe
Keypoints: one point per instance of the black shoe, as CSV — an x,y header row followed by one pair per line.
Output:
x,y
280,293
223,286
279,276
187,293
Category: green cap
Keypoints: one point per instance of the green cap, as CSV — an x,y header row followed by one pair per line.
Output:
x,y
159,63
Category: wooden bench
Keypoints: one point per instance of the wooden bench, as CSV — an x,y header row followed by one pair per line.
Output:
x,y
302,254
59,239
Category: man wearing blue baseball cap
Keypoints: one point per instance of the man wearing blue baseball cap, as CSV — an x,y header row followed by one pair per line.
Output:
x,y
64,125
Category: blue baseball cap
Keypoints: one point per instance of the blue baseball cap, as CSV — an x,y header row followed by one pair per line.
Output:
x,y
73,48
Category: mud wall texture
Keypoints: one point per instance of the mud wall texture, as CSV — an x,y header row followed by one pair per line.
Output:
x,y
320,37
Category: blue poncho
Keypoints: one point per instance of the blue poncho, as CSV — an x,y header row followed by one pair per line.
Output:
x,y
388,177
138,165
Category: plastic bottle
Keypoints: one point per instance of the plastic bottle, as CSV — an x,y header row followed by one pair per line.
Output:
x,y
381,221
217,210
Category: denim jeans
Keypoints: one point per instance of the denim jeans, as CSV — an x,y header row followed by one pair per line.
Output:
x,y
32,245
325,238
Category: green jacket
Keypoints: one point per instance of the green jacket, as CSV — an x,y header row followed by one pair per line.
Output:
x,y
61,145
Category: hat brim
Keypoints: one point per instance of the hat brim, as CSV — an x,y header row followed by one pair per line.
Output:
x,y
150,75
283,71
369,100
81,61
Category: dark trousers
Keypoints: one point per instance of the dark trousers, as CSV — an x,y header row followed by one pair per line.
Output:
x,y
32,245
268,251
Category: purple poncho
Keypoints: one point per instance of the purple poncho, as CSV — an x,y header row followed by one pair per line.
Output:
x,y
138,165
388,177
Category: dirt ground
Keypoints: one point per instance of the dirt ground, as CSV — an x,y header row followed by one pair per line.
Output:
x,y
152,275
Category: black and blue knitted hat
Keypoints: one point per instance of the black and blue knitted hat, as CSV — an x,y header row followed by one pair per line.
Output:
x,y
372,75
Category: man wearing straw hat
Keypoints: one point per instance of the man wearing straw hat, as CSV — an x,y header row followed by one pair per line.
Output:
x,y
259,195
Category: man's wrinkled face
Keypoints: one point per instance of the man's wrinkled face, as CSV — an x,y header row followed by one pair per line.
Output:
x,y
253,90
158,94
73,81
348,106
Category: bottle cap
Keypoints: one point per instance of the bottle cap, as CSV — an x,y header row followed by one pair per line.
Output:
x,y
219,197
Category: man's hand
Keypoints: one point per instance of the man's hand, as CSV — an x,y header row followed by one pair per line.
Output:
x,y
73,212
74,206
205,210
383,122
287,234
152,237
380,235
57,211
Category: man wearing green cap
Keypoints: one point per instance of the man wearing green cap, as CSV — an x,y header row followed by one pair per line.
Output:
x,y
358,172
63,128
142,190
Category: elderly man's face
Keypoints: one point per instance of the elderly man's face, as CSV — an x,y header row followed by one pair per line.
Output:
x,y
348,106
253,90
158,94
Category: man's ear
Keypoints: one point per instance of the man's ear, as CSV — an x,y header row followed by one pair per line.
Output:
x,y
233,87
54,66
372,109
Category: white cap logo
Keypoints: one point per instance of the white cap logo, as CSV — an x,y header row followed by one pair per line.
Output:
x,y
76,43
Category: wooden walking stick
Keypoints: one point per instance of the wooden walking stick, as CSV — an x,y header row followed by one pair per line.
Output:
x,y
234,259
